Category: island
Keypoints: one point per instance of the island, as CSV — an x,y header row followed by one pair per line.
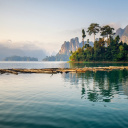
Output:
x,y
108,47
19,58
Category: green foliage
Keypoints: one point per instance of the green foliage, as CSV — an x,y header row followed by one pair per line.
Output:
x,y
107,31
114,52
94,28
83,35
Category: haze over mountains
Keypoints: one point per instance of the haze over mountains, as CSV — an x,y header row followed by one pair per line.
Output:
x,y
8,49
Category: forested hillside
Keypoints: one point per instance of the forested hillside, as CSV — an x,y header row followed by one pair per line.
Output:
x,y
106,48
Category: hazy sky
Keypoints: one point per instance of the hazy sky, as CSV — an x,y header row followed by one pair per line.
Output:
x,y
48,23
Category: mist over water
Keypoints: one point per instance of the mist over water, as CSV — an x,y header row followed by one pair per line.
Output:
x,y
81,100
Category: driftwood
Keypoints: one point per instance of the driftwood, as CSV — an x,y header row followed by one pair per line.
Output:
x,y
63,70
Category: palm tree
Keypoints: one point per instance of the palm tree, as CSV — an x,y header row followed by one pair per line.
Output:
x,y
83,36
93,29
107,31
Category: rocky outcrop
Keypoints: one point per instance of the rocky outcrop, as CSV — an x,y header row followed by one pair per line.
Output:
x,y
64,48
123,33
124,39
67,47
119,32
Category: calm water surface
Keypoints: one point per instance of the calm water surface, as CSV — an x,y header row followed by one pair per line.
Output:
x,y
82,100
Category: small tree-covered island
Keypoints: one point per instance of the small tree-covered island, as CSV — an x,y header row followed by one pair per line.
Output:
x,y
107,48
19,58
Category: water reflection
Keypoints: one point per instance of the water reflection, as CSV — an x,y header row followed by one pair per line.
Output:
x,y
81,65
101,86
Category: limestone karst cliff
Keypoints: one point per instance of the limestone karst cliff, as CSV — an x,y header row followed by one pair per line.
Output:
x,y
123,33
66,48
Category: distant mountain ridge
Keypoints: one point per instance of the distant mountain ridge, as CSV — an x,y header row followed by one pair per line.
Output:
x,y
123,34
66,48
19,58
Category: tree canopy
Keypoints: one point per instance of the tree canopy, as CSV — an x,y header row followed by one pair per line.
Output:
x,y
116,51
83,35
94,28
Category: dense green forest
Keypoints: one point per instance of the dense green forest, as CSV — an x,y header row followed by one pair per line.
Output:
x,y
106,48
19,58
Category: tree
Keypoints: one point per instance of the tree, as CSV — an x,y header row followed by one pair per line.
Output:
x,y
107,31
87,41
93,29
117,39
83,36
116,51
104,31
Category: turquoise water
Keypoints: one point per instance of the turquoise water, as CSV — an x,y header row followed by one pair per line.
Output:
x,y
82,100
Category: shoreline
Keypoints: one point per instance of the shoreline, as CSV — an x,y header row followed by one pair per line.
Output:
x,y
62,70
97,62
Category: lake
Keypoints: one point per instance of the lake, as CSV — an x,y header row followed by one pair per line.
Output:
x,y
79,100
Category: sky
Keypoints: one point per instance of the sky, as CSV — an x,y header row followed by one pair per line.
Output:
x,y
46,24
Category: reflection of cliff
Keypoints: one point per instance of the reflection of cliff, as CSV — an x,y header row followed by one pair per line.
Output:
x,y
72,77
100,86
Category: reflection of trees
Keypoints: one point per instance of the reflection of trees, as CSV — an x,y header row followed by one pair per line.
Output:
x,y
83,91
81,65
100,86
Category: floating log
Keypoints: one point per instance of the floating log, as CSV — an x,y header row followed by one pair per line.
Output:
x,y
63,70
8,71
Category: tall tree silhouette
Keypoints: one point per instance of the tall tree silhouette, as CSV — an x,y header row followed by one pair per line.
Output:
x,y
107,31
94,28
83,36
